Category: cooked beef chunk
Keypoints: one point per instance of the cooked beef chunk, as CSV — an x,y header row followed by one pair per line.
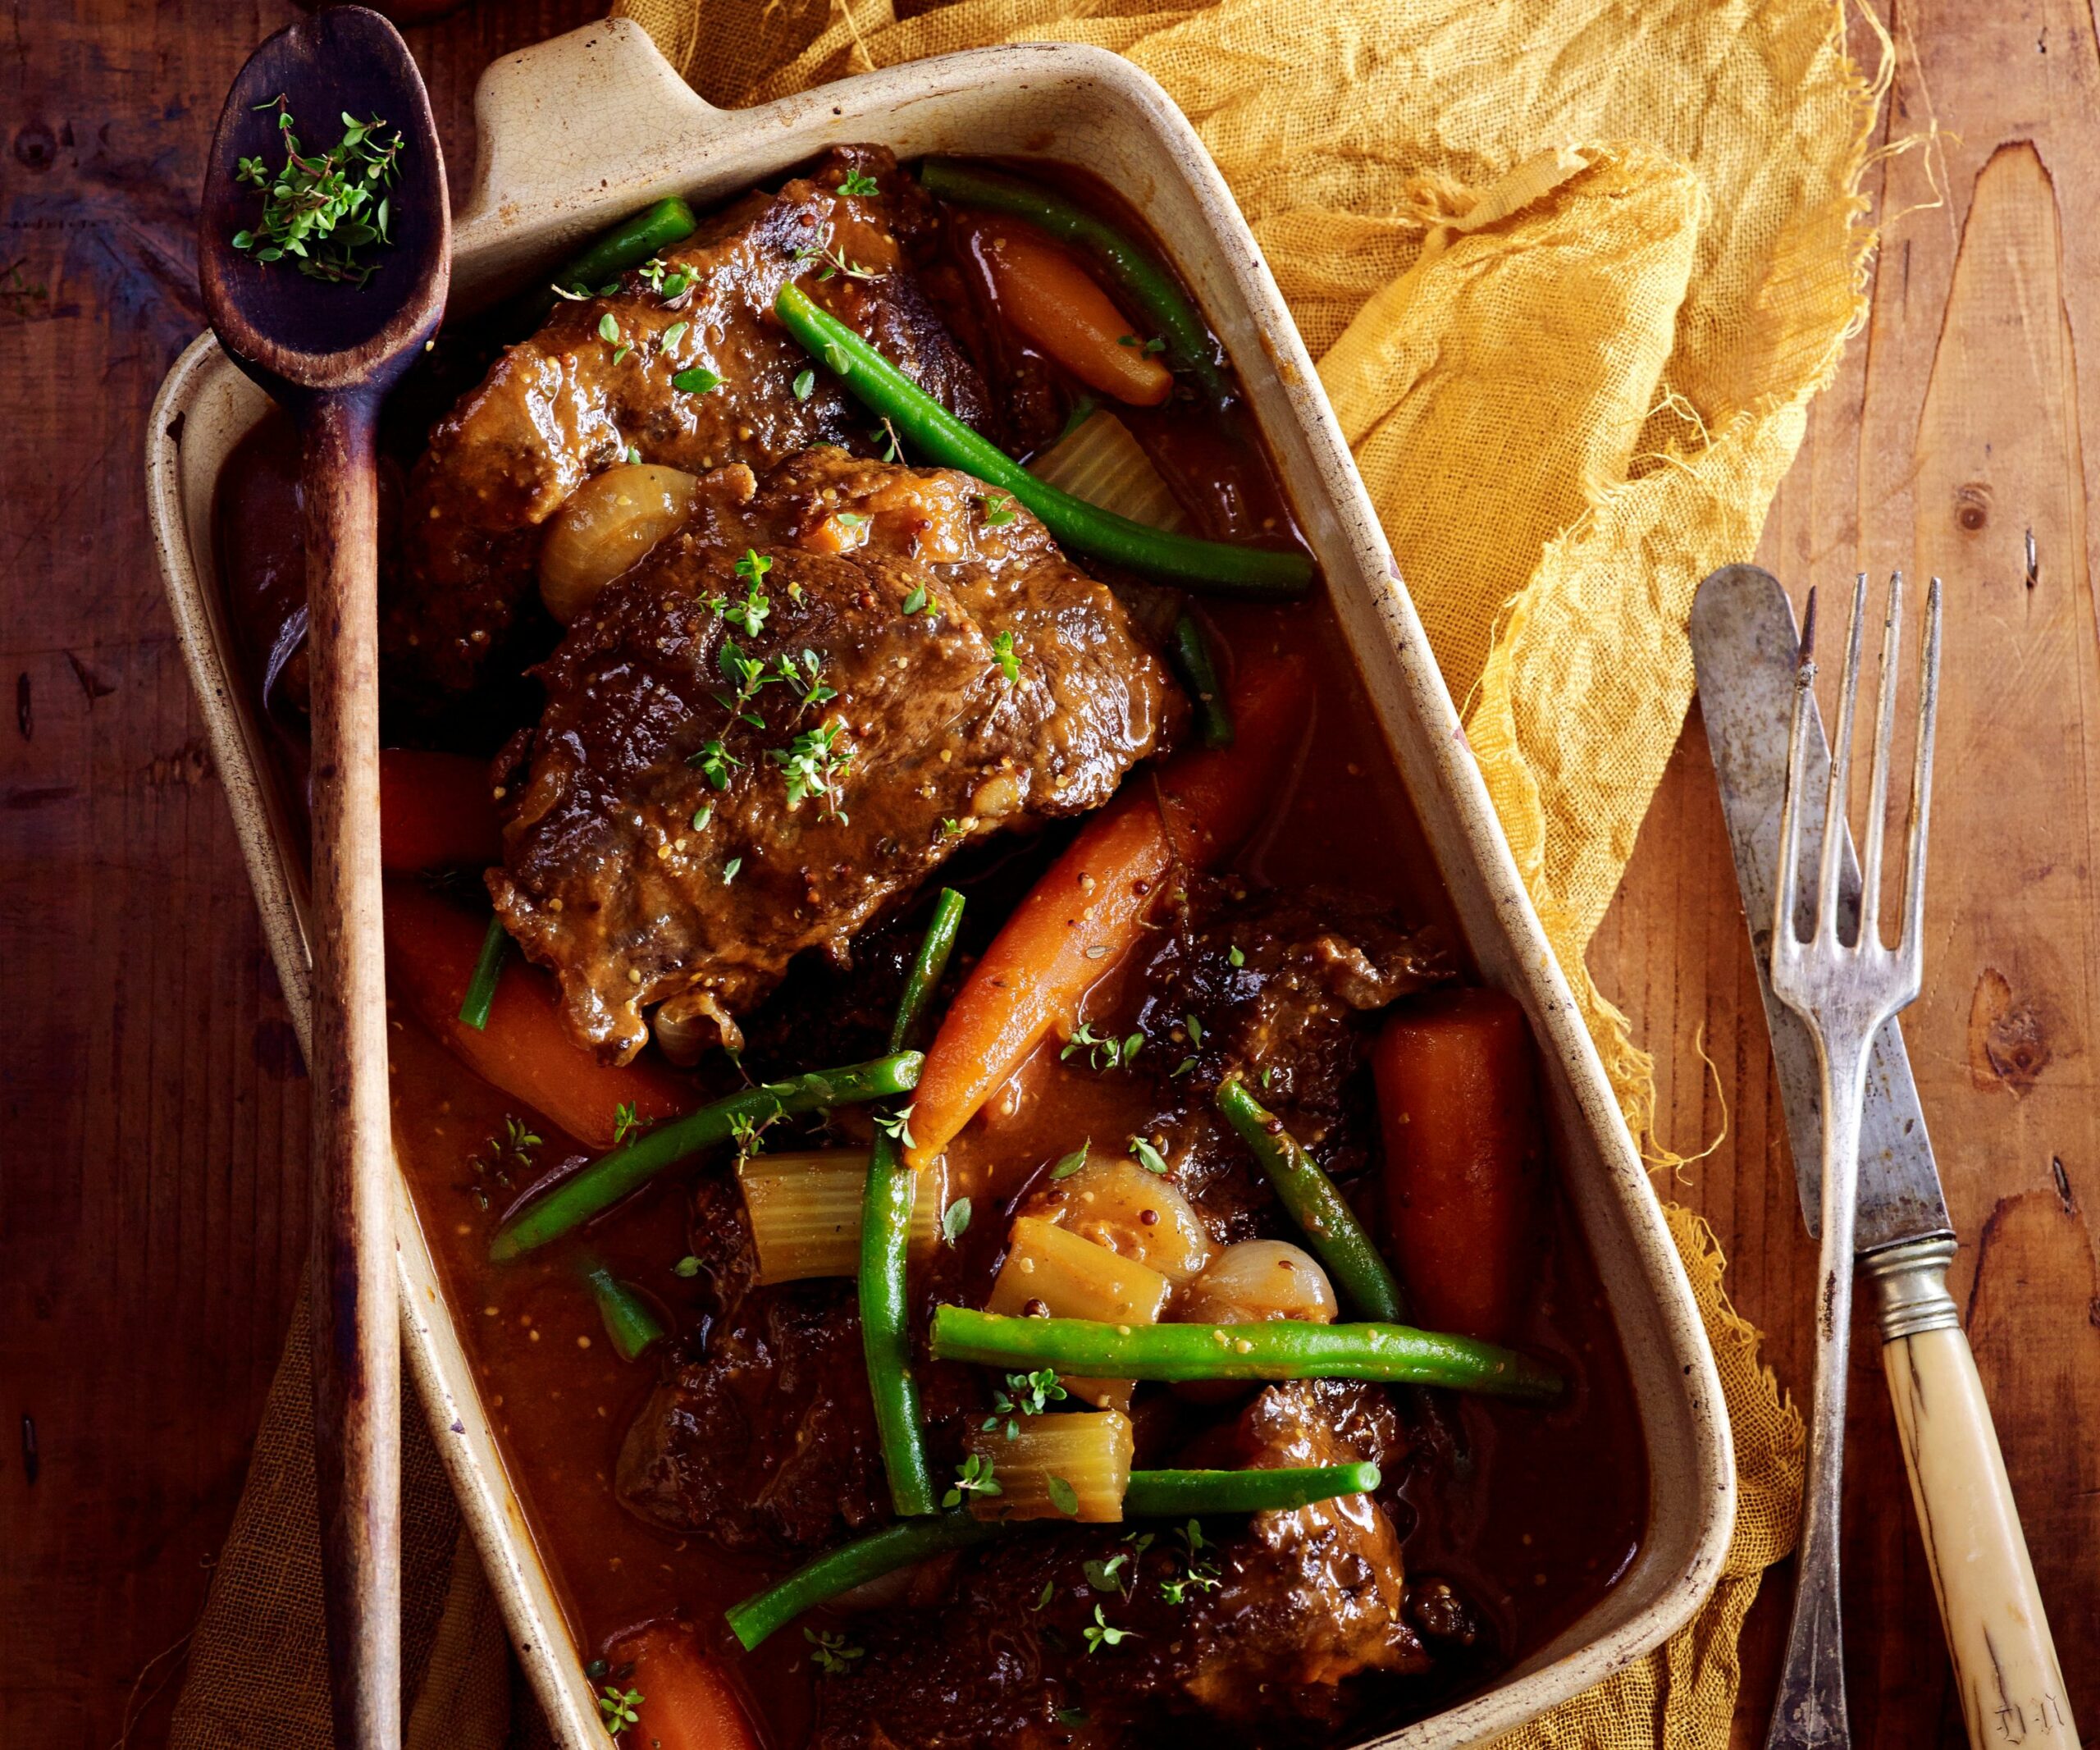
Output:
x,y
560,407
1318,1597
1280,984
1263,1635
765,1440
736,764
768,1440
824,1013
1277,981
759,1435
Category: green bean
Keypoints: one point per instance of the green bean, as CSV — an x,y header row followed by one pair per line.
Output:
x,y
611,1177
923,983
628,245
1190,651
852,1564
629,1323
885,1241
886,1329
1281,1348
1214,566
1182,1494
488,971
1314,1203
1135,270
1150,1494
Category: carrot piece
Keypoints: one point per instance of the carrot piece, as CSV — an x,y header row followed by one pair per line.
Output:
x,y
686,1703
435,812
525,1050
1056,303
1458,1102
1084,914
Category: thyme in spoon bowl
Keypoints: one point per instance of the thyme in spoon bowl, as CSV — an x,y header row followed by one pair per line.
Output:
x,y
320,211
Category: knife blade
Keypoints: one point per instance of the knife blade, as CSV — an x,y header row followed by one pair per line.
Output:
x,y
1746,650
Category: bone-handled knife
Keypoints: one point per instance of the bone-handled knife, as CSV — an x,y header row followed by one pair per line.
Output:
x,y
1747,651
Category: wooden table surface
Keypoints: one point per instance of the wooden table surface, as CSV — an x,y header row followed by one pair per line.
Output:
x,y
153,1157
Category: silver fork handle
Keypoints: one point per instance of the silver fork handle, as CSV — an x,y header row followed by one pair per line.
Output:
x,y
1810,1709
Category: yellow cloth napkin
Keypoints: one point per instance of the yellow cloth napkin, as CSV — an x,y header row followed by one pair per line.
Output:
x,y
1573,269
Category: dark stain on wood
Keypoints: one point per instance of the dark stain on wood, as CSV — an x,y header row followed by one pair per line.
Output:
x,y
28,795
91,683
2008,1042
36,147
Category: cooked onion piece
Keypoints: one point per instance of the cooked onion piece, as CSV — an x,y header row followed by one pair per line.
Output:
x,y
607,526
1114,1202
1102,463
805,1211
1057,1467
1257,1281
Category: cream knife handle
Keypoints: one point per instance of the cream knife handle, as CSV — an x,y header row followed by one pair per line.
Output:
x,y
2012,1690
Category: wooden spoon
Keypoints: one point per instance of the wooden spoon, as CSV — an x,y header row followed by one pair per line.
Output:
x,y
328,351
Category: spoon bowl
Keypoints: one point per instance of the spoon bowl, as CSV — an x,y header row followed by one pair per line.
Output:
x,y
296,336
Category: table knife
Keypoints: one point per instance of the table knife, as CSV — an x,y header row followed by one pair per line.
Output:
x,y
1746,651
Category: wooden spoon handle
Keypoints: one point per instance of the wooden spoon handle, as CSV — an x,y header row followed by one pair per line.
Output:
x,y
2005,1662
357,1385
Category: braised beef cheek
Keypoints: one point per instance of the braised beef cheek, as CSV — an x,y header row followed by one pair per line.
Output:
x,y
1253,1634
759,1434
1280,988
766,1438
569,402
679,835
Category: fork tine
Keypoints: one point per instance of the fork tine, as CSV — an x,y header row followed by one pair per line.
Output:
x,y
1892,640
1787,887
1910,946
1841,772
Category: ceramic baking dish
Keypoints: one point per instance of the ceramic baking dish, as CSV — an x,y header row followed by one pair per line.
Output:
x,y
579,131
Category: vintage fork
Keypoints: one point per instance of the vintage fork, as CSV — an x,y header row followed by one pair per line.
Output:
x,y
1843,992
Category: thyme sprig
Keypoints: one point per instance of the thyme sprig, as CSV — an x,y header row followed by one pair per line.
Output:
x,y
897,1126
319,211
1199,1574
973,1476
616,1709
1103,1051
830,1652
1026,1395
816,763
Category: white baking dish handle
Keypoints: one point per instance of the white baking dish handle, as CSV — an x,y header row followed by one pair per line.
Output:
x,y
561,125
